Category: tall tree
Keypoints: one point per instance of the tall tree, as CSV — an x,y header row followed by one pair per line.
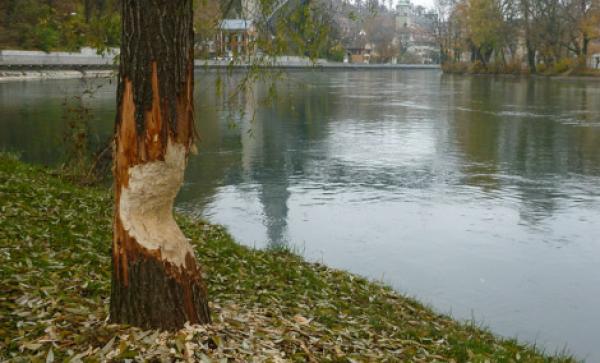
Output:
x,y
583,18
527,10
485,27
380,29
156,281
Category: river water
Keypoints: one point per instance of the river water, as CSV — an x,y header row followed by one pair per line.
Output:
x,y
479,196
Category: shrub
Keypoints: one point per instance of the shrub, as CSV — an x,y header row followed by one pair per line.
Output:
x,y
495,68
477,68
564,65
44,37
586,72
514,67
336,53
541,68
86,161
457,68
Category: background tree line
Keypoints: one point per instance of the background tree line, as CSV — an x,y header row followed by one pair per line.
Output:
x,y
313,28
545,36
305,27
59,24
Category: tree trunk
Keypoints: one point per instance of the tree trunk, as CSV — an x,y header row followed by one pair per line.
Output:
x,y
531,58
528,43
585,46
474,54
156,281
87,10
487,55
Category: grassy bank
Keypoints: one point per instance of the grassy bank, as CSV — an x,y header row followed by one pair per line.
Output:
x,y
266,306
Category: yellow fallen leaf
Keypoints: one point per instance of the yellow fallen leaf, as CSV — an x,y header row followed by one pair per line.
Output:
x,y
301,320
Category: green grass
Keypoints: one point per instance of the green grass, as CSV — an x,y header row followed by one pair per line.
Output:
x,y
267,305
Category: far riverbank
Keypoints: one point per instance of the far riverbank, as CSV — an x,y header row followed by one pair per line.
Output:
x,y
37,73
558,72
35,65
45,72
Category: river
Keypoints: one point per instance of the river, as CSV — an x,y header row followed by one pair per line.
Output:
x,y
477,195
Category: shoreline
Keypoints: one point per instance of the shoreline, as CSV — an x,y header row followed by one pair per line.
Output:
x,y
32,74
266,304
47,74
526,76
18,72
307,64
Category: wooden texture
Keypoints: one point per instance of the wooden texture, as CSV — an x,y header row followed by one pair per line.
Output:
x,y
155,109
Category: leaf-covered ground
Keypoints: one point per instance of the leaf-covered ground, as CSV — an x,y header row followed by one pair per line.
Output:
x,y
267,306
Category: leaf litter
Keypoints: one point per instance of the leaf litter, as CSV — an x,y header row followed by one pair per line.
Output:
x,y
266,306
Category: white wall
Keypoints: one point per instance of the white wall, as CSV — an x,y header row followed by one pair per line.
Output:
x,y
86,56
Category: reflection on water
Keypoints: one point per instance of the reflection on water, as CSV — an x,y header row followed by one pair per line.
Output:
x,y
478,195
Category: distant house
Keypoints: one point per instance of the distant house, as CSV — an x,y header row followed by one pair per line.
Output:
x,y
235,38
593,60
404,15
415,28
359,53
359,50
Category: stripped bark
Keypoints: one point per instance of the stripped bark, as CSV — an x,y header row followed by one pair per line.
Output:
x,y
156,281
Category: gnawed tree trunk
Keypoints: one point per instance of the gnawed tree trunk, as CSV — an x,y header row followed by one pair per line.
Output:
x,y
156,280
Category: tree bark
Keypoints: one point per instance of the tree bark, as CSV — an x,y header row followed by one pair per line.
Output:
x,y
526,9
531,59
156,281
585,45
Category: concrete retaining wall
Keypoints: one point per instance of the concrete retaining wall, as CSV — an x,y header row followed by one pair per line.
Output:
x,y
289,62
31,75
85,57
